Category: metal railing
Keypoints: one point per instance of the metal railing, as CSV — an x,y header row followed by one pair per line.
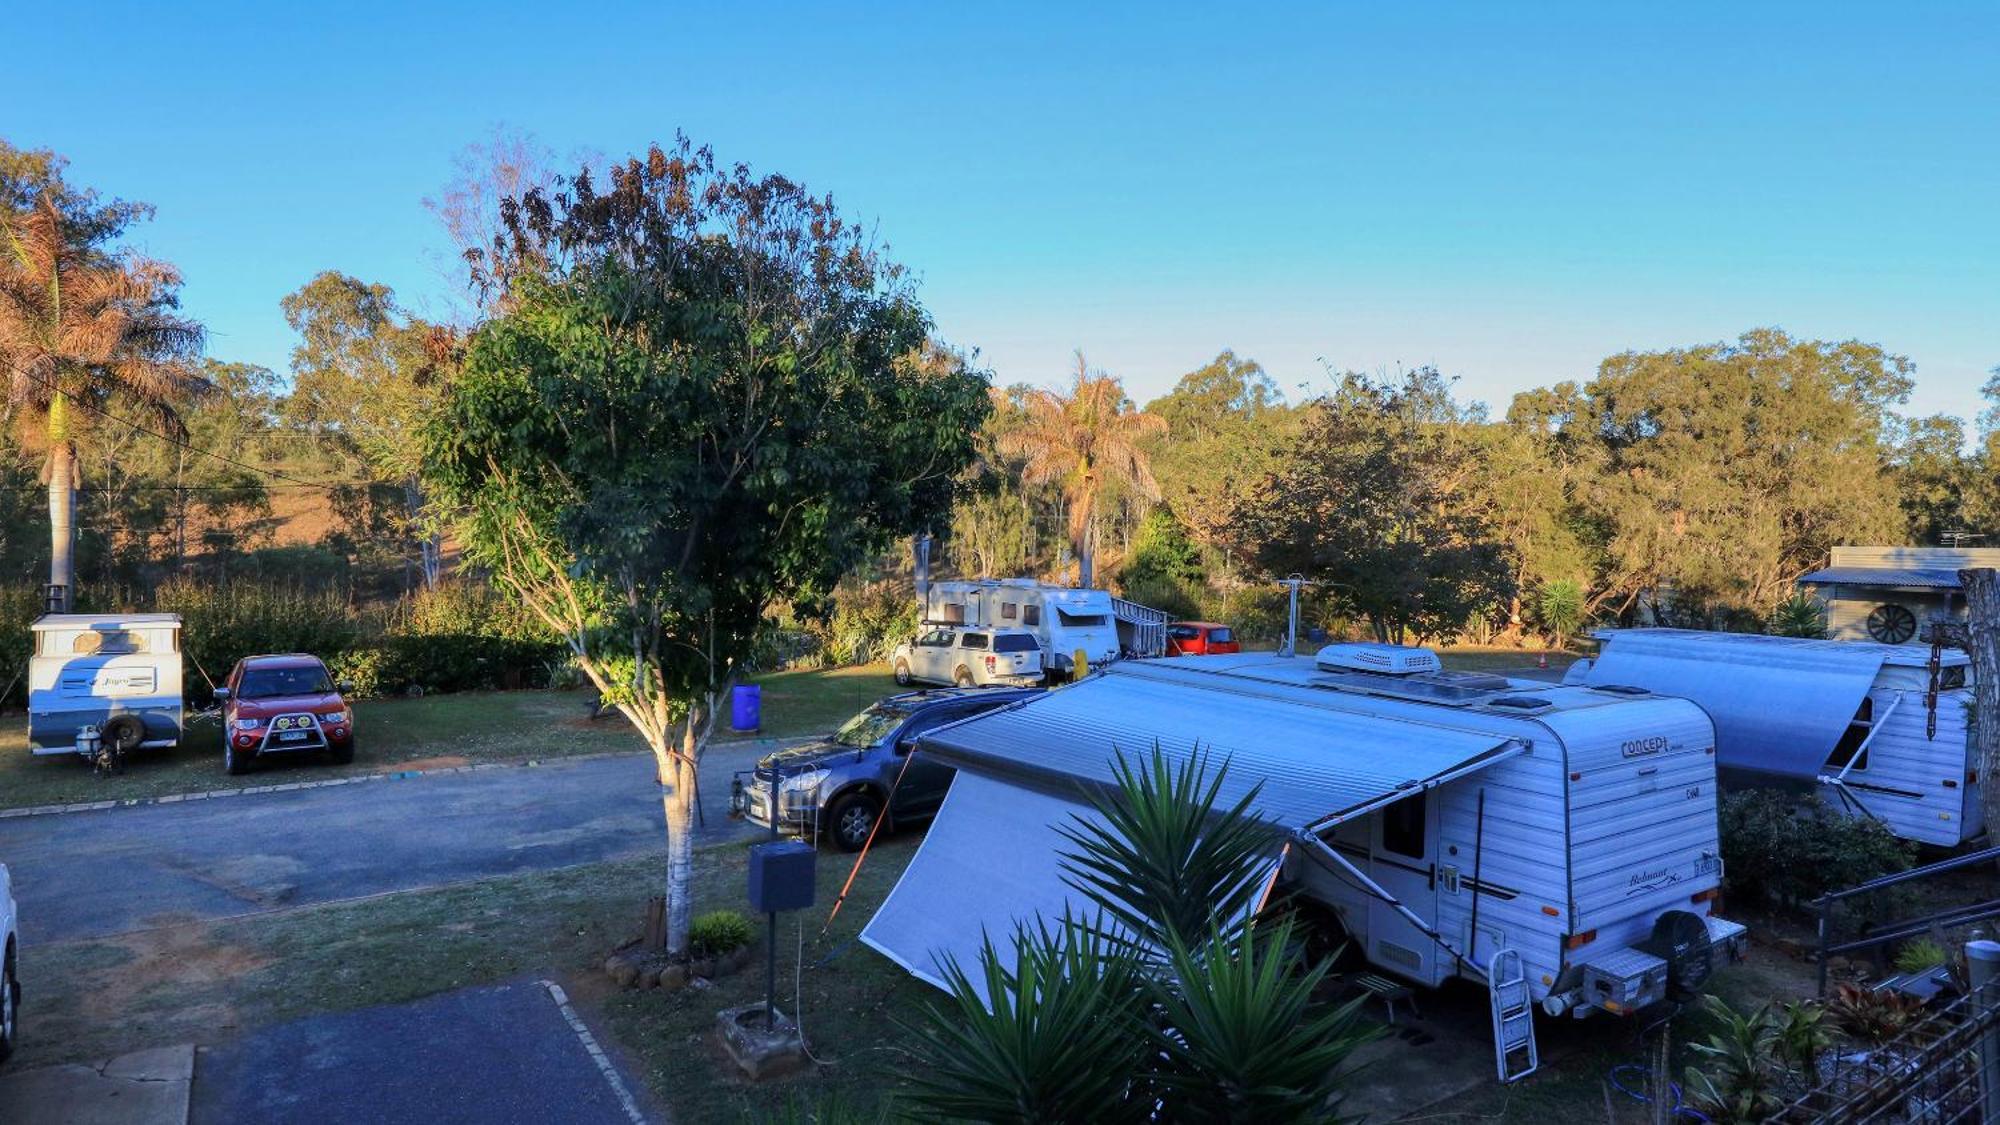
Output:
x,y
1941,1070
1875,936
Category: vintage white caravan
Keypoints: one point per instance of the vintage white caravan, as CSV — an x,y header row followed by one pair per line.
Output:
x,y
117,673
1065,619
1556,843
1876,727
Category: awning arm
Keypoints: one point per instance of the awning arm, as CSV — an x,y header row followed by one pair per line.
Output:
x,y
1372,887
1506,749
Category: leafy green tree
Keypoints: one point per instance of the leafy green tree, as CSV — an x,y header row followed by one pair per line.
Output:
x,y
1226,422
1085,440
89,221
1725,471
1164,568
79,333
365,377
1932,477
1375,502
707,395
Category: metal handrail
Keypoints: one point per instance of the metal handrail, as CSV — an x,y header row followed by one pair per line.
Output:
x,y
1904,927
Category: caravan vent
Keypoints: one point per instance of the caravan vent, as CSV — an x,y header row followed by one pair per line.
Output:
x,y
1620,689
1521,702
1395,660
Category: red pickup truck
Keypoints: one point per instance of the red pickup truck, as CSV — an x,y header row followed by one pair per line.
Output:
x,y
283,704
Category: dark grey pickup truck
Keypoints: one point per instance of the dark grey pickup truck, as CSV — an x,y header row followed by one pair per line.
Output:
x,y
840,785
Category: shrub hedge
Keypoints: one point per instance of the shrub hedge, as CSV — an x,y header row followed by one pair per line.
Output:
x,y
1789,850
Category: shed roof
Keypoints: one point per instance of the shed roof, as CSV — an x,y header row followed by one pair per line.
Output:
x,y
1913,578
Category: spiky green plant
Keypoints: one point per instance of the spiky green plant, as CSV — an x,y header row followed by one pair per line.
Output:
x,y
1736,1077
1170,1004
1240,1038
1165,864
1801,1033
1061,1036
1800,615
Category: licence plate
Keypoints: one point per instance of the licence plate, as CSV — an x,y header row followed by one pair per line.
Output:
x,y
292,736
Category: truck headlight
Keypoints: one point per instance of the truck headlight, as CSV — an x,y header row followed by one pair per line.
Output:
x,y
798,789
249,724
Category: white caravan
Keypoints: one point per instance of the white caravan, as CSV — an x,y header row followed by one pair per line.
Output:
x,y
1063,618
1879,729
118,673
1555,843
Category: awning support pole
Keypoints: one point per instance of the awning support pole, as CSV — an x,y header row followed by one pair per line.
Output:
x,y
1375,889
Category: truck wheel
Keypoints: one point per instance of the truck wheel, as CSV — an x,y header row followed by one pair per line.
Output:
x,y
962,677
903,673
232,762
10,1006
851,819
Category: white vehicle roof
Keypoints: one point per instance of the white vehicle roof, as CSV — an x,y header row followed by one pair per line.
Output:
x,y
49,621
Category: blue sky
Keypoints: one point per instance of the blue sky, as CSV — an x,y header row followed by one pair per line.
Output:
x,y
1511,192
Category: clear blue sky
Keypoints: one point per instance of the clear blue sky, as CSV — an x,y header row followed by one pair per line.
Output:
x,y
1511,192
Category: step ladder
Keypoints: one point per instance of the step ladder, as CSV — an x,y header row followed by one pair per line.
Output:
x,y
1514,1053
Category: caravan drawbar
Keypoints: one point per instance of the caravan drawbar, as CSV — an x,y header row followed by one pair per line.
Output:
x,y
1556,842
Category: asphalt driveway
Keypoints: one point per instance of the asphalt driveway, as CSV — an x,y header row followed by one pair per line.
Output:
x,y
505,1053
95,874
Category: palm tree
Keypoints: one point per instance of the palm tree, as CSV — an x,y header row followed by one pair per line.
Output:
x,y
77,330
1081,440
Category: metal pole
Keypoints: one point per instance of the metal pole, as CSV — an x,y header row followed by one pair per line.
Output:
x,y
1982,960
771,932
1290,647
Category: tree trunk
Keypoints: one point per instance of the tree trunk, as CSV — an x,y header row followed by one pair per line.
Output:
x,y
62,522
1982,602
677,802
1086,548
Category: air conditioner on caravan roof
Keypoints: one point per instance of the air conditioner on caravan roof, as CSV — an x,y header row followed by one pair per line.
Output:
x,y
1394,660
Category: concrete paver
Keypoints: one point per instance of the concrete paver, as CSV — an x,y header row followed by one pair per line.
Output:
x,y
143,1088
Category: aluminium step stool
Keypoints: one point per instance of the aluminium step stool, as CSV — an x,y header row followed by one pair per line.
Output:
x,y
1390,993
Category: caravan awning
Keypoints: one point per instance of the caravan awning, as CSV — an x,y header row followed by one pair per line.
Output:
x,y
992,860
1780,704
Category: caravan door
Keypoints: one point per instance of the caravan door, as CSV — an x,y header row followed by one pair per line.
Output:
x,y
1403,861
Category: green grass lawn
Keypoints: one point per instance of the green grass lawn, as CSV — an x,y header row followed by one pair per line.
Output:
x,y
205,981
434,731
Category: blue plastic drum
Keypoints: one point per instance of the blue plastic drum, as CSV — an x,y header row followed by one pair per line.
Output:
x,y
746,707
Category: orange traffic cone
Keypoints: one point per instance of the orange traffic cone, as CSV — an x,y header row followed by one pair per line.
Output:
x,y
1542,661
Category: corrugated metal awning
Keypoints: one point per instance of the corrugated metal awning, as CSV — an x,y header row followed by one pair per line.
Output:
x,y
1316,762
993,859
1779,704
1908,578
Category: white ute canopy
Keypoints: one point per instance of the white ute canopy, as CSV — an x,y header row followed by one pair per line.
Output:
x,y
992,860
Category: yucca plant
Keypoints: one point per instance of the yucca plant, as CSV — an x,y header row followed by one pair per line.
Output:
x,y
1736,1079
1165,865
1061,1036
1169,1004
1240,1038
1800,615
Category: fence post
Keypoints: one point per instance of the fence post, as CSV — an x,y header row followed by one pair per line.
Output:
x,y
1982,960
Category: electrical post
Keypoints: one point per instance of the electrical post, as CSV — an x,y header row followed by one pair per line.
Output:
x,y
1290,647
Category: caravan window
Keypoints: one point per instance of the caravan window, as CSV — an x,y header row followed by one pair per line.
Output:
x,y
109,642
1403,827
1031,615
952,614
1857,733
1008,611
1080,620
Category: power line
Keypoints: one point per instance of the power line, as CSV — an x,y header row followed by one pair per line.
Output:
x,y
169,439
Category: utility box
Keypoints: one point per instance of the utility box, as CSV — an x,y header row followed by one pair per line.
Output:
x,y
781,876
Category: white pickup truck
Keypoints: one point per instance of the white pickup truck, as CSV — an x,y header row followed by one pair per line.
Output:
x,y
968,657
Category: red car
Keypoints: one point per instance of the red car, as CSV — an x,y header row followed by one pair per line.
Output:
x,y
1200,638
282,705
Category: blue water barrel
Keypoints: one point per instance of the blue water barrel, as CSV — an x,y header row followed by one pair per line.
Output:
x,y
746,707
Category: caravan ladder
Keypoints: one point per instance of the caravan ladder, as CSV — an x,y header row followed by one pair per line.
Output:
x,y
1514,1053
